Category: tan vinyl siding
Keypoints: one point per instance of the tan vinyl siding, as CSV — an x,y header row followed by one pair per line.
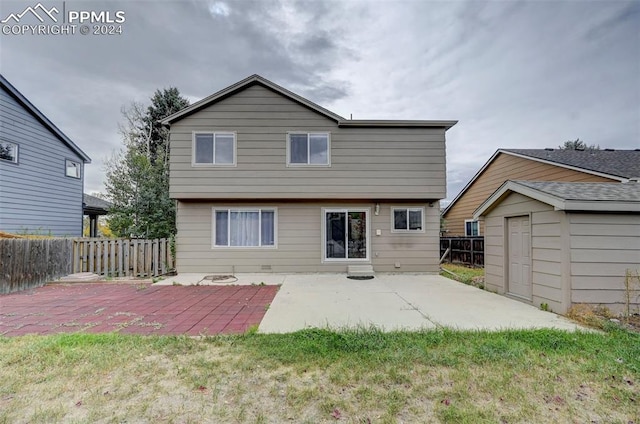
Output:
x,y
299,240
507,167
547,249
366,163
603,247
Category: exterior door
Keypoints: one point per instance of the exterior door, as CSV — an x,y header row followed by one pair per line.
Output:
x,y
346,235
519,256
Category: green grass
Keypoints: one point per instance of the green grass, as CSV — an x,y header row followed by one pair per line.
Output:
x,y
464,274
361,375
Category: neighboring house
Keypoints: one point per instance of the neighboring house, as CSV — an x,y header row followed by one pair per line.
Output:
x,y
560,244
94,207
267,181
536,165
41,171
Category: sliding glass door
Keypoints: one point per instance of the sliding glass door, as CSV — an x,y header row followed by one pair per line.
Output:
x,y
346,234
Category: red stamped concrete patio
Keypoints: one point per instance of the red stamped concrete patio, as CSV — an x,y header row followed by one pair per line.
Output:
x,y
135,308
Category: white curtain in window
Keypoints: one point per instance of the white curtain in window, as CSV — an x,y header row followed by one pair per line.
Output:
x,y
268,228
244,228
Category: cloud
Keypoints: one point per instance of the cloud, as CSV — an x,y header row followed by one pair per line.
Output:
x,y
515,74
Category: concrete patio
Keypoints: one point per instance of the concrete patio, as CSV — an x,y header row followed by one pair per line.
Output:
x,y
389,301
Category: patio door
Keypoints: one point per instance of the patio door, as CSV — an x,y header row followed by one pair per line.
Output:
x,y
346,235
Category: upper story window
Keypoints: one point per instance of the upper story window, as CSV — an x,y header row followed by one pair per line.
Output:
x,y
8,151
407,219
214,148
72,169
308,149
471,228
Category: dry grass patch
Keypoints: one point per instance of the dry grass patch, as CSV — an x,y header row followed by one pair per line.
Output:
x,y
316,376
473,276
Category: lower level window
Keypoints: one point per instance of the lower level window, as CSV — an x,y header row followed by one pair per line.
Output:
x,y
244,227
408,219
471,228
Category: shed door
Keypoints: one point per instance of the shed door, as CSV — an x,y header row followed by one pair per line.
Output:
x,y
519,259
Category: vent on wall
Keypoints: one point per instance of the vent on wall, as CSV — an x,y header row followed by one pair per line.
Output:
x,y
265,267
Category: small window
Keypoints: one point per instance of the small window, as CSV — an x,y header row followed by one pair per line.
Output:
x,y
308,149
244,227
471,228
218,148
9,151
72,169
407,219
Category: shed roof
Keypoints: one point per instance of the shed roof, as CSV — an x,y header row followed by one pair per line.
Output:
x,y
20,98
594,197
259,80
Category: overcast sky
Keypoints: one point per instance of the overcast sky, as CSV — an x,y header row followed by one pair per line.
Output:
x,y
514,74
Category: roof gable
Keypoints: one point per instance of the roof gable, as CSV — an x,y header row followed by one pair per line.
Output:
x,y
342,122
565,196
40,117
242,85
620,165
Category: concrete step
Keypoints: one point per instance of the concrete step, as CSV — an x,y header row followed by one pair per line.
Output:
x,y
360,271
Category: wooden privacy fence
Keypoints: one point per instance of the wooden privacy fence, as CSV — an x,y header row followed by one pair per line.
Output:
x,y
465,250
122,257
27,263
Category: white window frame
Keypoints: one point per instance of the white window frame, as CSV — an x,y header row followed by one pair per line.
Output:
x,y
15,152
465,227
236,209
214,133
77,167
308,134
323,241
407,208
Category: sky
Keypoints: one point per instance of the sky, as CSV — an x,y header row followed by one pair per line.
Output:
x,y
515,74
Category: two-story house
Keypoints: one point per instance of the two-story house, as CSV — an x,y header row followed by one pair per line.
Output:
x,y
268,181
41,171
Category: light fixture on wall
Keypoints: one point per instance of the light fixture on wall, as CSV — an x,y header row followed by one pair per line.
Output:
x,y
376,211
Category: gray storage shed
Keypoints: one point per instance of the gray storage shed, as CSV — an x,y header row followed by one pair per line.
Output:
x,y
560,244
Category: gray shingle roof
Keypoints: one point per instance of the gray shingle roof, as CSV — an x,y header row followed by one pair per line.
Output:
x,y
621,163
616,192
92,204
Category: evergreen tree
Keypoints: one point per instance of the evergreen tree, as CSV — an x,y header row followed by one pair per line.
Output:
x,y
138,175
577,144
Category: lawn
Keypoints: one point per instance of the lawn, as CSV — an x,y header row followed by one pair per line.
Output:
x,y
352,376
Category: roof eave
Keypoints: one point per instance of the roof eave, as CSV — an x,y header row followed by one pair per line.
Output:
x,y
509,187
381,123
601,206
20,98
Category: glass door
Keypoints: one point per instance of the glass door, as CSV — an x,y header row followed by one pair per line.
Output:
x,y
346,235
